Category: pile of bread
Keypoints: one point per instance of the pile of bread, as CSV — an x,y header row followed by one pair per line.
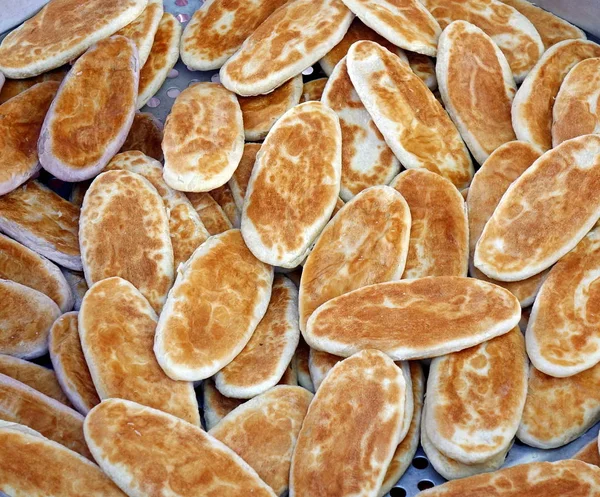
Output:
x,y
298,253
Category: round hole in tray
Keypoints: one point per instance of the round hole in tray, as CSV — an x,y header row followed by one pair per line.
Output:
x,y
420,462
181,3
173,73
397,492
173,92
183,17
308,71
215,78
425,484
193,82
153,102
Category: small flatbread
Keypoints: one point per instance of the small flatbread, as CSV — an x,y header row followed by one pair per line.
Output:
x,y
220,295
264,359
334,442
290,377
13,87
22,404
224,198
62,31
589,453
356,32
185,227
122,210
549,479
544,213
44,222
262,111
511,31
142,30
574,112
21,120
366,158
293,38
204,138
475,399
562,334
407,113
534,101
145,135
313,90
283,216
124,436
69,363
162,58
37,377
33,466
264,430
576,398
27,316
218,28
241,176
477,87
211,214
552,29
216,405
92,112
424,68
405,23
413,319
365,243
301,362
439,235
319,365
489,184
116,328
77,284
22,265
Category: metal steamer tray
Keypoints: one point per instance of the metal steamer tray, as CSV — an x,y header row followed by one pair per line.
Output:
x,y
420,474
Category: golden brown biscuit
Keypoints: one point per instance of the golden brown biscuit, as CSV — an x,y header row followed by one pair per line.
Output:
x,y
294,185
204,138
290,376
116,328
124,436
20,123
221,294
224,197
13,87
439,235
365,243
264,430
337,440
61,31
143,28
241,176
216,405
589,453
544,213
294,37
92,112
313,90
319,365
424,68
413,319
407,113
69,363
145,135
217,30
121,211
211,214
265,358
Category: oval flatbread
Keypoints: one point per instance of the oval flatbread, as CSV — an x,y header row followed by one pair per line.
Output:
x,y
92,112
334,442
424,68
589,453
511,31
224,198
264,430
439,229
145,135
475,398
21,120
407,113
220,295
62,31
162,58
121,211
405,23
215,405
211,214
477,87
534,101
319,365
24,266
218,28
413,319
241,176
69,363
313,90
265,358
42,221
365,243
544,213
204,138
562,334
366,158
27,316
123,437
33,466
574,112
12,87
294,185
291,39
142,30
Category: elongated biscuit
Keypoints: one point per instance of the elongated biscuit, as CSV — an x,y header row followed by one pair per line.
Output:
x,y
241,176
216,405
224,197
143,28
145,135
211,214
